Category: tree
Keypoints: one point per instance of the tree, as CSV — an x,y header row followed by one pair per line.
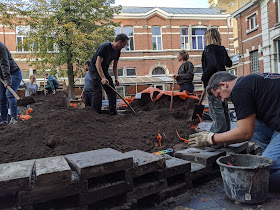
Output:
x,y
66,32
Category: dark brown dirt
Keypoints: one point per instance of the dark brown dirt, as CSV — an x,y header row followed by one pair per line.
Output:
x,y
56,129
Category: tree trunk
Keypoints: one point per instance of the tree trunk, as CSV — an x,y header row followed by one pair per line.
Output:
x,y
71,80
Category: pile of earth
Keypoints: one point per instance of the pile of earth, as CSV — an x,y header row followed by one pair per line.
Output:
x,y
57,129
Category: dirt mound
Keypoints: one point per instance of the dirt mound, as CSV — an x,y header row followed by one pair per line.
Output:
x,y
57,129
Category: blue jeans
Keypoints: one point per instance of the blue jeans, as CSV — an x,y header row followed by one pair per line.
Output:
x,y
218,112
6,96
269,140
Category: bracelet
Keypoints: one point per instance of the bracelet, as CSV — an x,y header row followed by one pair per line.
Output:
x,y
212,138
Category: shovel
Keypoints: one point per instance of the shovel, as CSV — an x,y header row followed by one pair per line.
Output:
x,y
20,102
198,109
121,97
172,94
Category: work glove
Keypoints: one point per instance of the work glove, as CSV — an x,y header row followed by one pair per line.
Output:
x,y
201,139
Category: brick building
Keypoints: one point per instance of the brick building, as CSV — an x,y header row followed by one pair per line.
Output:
x,y
259,37
156,36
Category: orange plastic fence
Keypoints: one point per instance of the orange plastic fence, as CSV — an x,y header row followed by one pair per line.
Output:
x,y
151,90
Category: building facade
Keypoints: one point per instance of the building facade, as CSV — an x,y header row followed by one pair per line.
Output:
x,y
156,36
259,37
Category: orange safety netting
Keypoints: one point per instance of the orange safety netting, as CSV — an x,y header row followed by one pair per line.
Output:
x,y
183,95
24,117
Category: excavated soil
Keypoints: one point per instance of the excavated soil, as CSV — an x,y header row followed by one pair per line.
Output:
x,y
57,129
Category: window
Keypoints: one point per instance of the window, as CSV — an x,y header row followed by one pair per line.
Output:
x,y
198,38
158,71
131,72
25,74
121,91
184,38
111,72
117,30
20,36
252,22
156,38
254,62
130,44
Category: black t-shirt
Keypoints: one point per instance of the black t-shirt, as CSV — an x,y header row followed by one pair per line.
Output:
x,y
108,54
258,94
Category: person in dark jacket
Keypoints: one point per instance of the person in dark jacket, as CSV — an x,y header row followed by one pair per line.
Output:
x,y
214,59
86,94
99,65
11,75
185,72
52,83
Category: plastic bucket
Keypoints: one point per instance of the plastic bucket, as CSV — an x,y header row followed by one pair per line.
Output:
x,y
245,177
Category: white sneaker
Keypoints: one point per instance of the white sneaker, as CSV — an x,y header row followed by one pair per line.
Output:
x,y
13,121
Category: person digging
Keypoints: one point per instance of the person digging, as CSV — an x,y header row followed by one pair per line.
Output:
x,y
256,99
99,65
52,83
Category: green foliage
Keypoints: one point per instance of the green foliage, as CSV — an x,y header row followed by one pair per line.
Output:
x,y
66,31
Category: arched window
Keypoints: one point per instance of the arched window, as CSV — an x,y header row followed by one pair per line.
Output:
x,y
158,71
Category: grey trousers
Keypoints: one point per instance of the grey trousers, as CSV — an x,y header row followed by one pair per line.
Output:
x,y
218,111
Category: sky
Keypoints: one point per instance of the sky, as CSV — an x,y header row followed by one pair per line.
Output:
x,y
164,3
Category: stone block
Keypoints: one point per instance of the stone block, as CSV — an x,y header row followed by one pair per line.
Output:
x,y
107,191
172,191
251,147
52,170
175,166
146,189
15,176
144,163
199,170
200,156
98,162
40,194
236,148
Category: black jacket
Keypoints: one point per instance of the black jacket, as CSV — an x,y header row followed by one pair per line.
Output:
x,y
214,59
7,64
185,73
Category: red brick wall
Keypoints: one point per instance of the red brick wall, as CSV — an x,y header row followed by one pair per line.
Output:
x,y
272,14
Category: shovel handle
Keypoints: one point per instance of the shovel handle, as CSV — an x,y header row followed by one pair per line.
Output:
x,y
172,93
121,97
202,96
11,90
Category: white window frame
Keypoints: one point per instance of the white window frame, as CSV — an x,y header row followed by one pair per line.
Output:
x,y
130,37
121,92
253,20
21,36
157,36
131,75
186,46
111,69
202,37
255,68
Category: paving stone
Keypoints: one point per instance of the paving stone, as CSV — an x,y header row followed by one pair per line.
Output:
x,y
52,170
146,189
15,176
106,191
40,194
199,170
98,162
144,163
172,191
236,148
251,147
175,166
205,157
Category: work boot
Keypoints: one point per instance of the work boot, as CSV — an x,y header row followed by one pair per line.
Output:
x,y
13,121
2,123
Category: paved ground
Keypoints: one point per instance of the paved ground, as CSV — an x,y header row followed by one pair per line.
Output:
x,y
212,196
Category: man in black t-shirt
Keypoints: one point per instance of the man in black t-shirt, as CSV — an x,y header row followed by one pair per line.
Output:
x,y
104,55
256,99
